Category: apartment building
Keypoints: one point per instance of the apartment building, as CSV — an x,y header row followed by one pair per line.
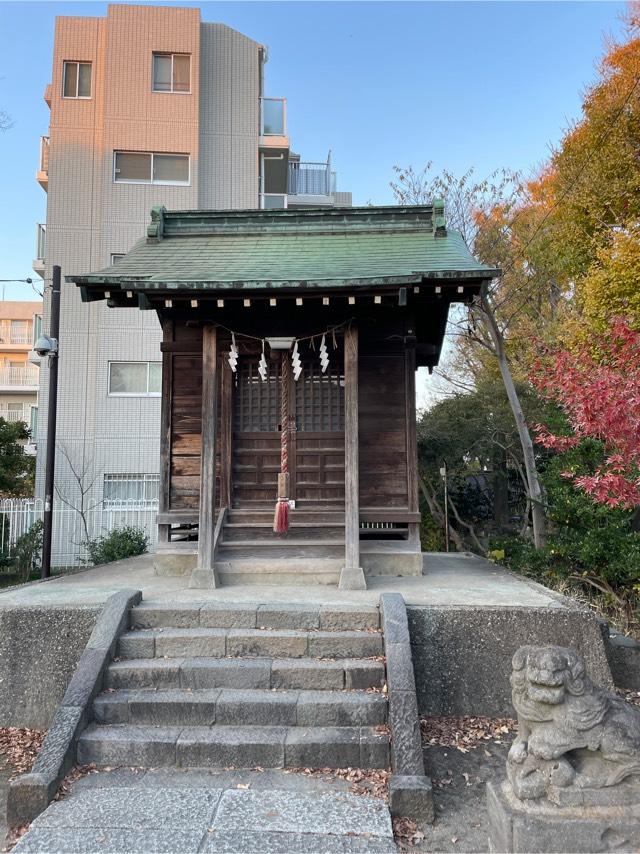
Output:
x,y
20,322
149,106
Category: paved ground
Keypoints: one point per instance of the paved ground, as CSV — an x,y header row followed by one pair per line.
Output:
x,y
202,811
447,579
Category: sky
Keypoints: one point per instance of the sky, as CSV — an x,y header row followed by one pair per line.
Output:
x,y
462,84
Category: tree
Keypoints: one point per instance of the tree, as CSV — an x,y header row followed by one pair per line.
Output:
x,y
471,209
6,122
17,468
76,491
475,433
598,389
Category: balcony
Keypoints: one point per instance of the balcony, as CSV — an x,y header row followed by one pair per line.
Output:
x,y
42,175
48,91
24,378
310,183
41,248
273,123
17,412
311,179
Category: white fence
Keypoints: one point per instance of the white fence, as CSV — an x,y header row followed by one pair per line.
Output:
x,y
71,529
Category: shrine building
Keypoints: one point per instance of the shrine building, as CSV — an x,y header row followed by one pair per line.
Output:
x,y
291,340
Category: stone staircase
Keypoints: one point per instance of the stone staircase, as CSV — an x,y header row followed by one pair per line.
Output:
x,y
311,552
244,686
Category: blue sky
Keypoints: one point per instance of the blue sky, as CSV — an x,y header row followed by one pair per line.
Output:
x,y
461,84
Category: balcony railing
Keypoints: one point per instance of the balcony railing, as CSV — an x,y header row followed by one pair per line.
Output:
x,y
20,333
16,413
42,175
273,116
44,154
41,240
312,179
23,376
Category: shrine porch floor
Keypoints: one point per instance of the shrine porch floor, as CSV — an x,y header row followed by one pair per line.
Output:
x,y
447,580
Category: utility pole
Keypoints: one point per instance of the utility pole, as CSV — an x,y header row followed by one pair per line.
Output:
x,y
443,474
50,347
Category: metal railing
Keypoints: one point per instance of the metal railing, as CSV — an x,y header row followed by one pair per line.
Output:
x,y
313,179
26,376
44,154
71,528
16,413
41,240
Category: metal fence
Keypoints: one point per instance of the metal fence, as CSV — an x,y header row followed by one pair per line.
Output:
x,y
71,528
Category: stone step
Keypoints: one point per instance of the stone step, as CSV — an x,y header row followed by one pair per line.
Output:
x,y
285,569
266,673
290,615
235,746
226,706
243,643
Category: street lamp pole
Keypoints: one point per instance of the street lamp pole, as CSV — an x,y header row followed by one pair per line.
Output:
x,y
443,474
54,333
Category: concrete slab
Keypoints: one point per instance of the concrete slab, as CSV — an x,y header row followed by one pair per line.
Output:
x,y
225,812
447,579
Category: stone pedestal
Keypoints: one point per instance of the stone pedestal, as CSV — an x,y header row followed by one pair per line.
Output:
x,y
540,827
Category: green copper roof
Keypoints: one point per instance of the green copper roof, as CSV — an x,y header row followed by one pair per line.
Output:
x,y
221,250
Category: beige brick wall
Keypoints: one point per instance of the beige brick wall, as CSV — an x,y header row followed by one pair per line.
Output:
x,y
89,216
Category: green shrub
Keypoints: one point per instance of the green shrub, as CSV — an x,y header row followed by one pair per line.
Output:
x,y
27,552
118,544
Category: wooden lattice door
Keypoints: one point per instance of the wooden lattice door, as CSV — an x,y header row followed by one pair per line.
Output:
x,y
316,457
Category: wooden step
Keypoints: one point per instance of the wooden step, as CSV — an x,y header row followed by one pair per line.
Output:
x,y
303,516
261,531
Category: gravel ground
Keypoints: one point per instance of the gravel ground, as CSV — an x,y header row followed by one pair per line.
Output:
x,y
459,796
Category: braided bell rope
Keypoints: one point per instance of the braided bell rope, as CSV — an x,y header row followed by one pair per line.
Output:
x,y
284,416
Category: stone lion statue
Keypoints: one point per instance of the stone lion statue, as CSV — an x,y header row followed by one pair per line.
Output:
x,y
570,733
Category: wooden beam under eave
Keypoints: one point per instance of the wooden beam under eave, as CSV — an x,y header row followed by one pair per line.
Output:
x,y
352,575
204,575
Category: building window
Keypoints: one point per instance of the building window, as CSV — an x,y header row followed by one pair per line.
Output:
x,y
115,257
76,81
130,490
136,167
135,379
171,72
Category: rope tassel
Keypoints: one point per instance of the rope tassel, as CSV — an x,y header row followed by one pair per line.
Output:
x,y
281,517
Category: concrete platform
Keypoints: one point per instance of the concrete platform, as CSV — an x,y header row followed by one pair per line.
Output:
x,y
447,579
466,615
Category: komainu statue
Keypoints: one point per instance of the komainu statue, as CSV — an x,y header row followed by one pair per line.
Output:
x,y
572,736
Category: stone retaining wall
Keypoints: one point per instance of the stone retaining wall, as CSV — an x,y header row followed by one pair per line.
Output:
x,y
40,647
462,655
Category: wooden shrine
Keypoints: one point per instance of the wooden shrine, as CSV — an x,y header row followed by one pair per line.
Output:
x,y
290,345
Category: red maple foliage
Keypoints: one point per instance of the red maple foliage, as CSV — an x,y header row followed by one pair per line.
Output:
x,y
598,388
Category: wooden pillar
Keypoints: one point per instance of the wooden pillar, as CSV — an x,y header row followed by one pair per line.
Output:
x,y
164,503
226,378
352,576
413,503
204,574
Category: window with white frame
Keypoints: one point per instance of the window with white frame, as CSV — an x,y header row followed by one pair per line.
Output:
x,y
130,490
145,167
135,379
172,72
76,80
115,257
